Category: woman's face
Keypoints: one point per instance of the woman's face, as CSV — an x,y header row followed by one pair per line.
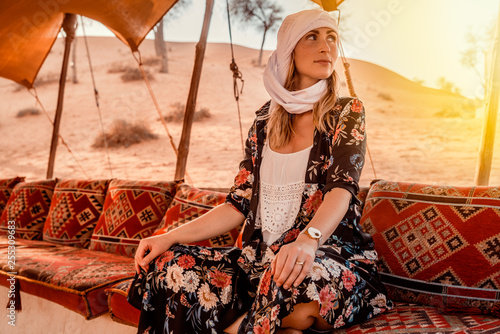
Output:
x,y
315,56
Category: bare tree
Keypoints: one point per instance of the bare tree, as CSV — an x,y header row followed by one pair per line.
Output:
x,y
447,86
264,13
478,47
160,45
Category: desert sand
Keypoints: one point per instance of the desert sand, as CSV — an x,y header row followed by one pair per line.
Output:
x,y
415,133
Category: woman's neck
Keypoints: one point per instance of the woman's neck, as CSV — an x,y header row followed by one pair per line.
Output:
x,y
302,136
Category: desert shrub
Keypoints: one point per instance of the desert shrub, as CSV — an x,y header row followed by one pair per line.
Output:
x,y
133,74
124,134
41,80
118,67
418,81
46,79
123,67
177,113
28,112
465,109
448,112
150,61
202,114
385,96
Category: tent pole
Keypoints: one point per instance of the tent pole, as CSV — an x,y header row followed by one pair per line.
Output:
x,y
69,26
490,119
193,93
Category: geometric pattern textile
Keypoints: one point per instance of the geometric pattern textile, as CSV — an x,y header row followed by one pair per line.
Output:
x,y
132,211
119,307
6,186
70,276
190,203
437,245
75,209
417,319
28,206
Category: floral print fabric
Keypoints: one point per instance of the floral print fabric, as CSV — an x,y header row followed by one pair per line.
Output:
x,y
210,291
192,289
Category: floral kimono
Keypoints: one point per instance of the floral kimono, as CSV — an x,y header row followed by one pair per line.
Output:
x,y
192,289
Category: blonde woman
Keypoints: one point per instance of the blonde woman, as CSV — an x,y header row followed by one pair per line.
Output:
x,y
306,264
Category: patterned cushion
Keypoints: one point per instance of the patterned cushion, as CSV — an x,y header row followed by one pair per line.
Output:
x,y
75,209
132,211
6,186
418,319
437,245
190,203
121,310
73,277
28,206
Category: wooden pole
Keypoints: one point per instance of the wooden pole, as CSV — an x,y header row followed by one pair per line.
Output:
x,y
69,26
193,93
491,111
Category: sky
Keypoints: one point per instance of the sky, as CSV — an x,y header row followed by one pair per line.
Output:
x,y
419,39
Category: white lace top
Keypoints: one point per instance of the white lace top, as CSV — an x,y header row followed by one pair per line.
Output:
x,y
281,186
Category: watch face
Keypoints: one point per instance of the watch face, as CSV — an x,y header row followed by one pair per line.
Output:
x,y
314,232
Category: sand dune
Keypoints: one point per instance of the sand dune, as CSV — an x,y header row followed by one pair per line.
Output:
x,y
407,141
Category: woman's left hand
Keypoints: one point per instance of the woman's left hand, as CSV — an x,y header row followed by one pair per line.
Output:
x,y
293,261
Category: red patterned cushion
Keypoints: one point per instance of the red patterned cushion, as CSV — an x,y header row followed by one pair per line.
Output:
x,y
6,187
75,209
437,245
73,277
28,206
121,310
190,203
418,319
132,211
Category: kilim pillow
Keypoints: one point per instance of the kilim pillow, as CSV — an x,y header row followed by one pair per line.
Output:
x,y
6,187
132,211
28,206
75,209
190,203
437,245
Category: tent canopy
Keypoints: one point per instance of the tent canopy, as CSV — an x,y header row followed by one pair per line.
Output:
x,y
30,28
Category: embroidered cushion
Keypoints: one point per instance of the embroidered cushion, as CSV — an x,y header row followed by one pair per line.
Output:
x,y
415,319
132,211
119,306
28,206
190,203
75,209
437,245
6,187
76,278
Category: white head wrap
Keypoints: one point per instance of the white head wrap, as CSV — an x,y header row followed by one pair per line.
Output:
x,y
292,29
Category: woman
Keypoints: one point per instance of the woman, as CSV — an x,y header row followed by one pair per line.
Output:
x,y
305,263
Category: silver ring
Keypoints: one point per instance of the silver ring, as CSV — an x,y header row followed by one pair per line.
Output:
x,y
299,263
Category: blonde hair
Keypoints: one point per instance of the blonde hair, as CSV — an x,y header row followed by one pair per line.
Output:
x,y
279,125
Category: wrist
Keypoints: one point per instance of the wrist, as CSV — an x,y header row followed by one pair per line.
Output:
x,y
314,234
303,238
171,237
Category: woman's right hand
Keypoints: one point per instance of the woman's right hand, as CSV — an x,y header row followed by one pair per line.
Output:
x,y
156,245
